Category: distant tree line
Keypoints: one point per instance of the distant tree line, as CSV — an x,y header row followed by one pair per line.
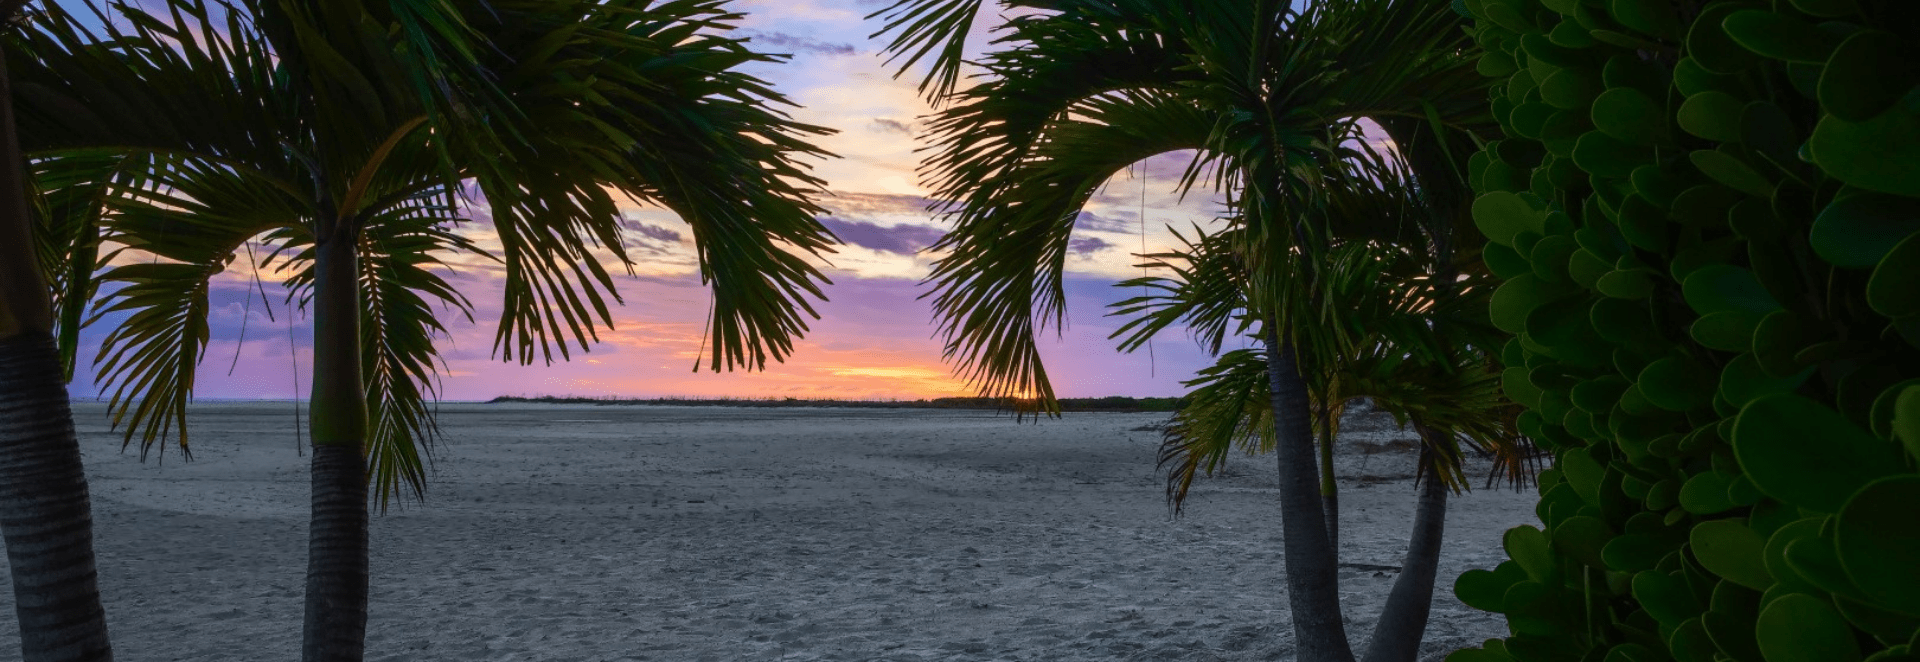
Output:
x,y
1111,403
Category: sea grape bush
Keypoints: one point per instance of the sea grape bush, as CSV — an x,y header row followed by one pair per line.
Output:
x,y
1707,219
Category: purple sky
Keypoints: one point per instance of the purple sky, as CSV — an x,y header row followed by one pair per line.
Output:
x,y
875,338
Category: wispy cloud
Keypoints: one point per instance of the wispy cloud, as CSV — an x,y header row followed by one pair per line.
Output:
x,y
892,126
1084,246
898,239
799,43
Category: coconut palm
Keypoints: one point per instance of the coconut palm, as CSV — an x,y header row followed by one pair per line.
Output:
x,y
1270,98
352,139
45,514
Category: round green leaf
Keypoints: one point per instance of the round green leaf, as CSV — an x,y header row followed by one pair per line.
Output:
x,y
1706,493
1713,115
1602,155
1877,538
1643,224
1581,538
1633,552
1780,36
1527,118
1860,227
1690,642
1731,172
1677,384
1891,290
1629,115
1742,381
1721,287
1570,34
1627,284
1528,547
1906,419
1501,216
1692,79
1483,589
1709,45
1726,330
1881,154
1516,298
1801,628
1726,547
1776,552
1495,64
1827,8
1665,597
1652,17
1867,74
1570,88
1779,338
1806,454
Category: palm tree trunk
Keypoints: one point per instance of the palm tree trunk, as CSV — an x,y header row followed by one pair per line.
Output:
x,y
337,576
1403,620
1313,591
1329,490
44,510
45,515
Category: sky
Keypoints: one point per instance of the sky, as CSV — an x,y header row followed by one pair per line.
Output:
x,y
875,339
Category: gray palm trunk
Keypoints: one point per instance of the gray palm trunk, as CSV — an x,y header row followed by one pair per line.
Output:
x,y
1313,591
335,625
44,510
1403,620
45,515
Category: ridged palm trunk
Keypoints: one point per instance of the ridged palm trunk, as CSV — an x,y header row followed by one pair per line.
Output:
x,y
1329,485
337,576
1313,591
45,515
44,511
1403,620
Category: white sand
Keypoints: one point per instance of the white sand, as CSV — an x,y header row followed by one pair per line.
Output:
x,y
589,533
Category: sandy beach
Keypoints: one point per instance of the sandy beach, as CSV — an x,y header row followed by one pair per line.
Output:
x,y
613,533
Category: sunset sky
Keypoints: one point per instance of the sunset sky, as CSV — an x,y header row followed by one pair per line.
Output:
x,y
875,338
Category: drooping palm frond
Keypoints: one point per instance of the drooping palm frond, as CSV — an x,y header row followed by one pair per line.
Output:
x,y
184,219
648,99
306,120
1200,285
1228,408
67,199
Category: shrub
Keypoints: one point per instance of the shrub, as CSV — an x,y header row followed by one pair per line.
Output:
x,y
1707,219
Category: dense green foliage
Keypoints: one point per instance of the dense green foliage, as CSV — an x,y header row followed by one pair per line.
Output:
x,y
1707,217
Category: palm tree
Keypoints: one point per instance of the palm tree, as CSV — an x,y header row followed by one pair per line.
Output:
x,y
1269,96
1423,359
352,138
45,514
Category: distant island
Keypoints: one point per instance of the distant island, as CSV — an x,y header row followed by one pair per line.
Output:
x,y
1112,403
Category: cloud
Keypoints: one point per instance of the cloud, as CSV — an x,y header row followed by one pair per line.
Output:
x,y
849,203
1087,245
1097,223
892,126
801,43
651,239
899,239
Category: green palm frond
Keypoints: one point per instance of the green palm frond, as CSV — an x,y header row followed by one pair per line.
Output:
x,y
1202,288
1228,407
401,303
67,199
651,103
999,283
289,122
